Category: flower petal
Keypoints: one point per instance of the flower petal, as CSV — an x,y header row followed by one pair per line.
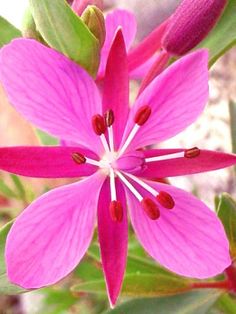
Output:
x,y
117,18
113,238
175,101
51,236
51,91
188,239
148,47
45,162
206,161
116,86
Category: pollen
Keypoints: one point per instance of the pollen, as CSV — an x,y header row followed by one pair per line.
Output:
x,y
98,124
116,211
109,118
79,158
192,152
165,199
150,208
142,115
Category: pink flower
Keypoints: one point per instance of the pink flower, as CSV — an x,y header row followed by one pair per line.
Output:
x,y
50,237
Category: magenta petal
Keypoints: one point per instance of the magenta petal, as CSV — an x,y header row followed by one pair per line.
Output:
x,y
51,91
117,18
175,101
188,239
206,161
51,236
113,238
147,48
45,162
116,86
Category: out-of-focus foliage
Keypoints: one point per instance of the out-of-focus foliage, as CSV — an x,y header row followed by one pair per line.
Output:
x,y
197,302
5,286
223,36
227,214
7,32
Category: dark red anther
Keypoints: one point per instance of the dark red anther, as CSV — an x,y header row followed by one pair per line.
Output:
x,y
109,118
142,115
116,211
79,158
165,199
192,152
150,208
98,124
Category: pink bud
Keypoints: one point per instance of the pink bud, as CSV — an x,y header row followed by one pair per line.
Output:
x,y
190,24
80,5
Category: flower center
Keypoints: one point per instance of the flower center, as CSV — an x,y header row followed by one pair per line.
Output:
x,y
119,165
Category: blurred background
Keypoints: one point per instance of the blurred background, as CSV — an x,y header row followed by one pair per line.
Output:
x,y
211,131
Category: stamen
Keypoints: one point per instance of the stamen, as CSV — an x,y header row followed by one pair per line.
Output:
x,y
78,158
129,139
165,199
165,157
116,211
81,159
129,186
142,115
98,124
109,118
150,208
192,152
112,185
140,118
143,184
104,143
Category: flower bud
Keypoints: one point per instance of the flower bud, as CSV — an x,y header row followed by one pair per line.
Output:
x,y
94,20
190,24
80,5
29,28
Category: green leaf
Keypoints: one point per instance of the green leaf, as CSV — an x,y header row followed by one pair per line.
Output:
x,y
5,286
195,302
145,285
63,30
223,36
226,304
7,32
5,190
227,214
136,264
19,186
232,112
46,139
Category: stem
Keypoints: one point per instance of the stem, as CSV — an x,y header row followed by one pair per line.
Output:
x,y
214,284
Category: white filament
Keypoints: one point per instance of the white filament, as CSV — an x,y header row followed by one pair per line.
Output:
x,y
129,186
113,185
165,157
143,184
129,139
